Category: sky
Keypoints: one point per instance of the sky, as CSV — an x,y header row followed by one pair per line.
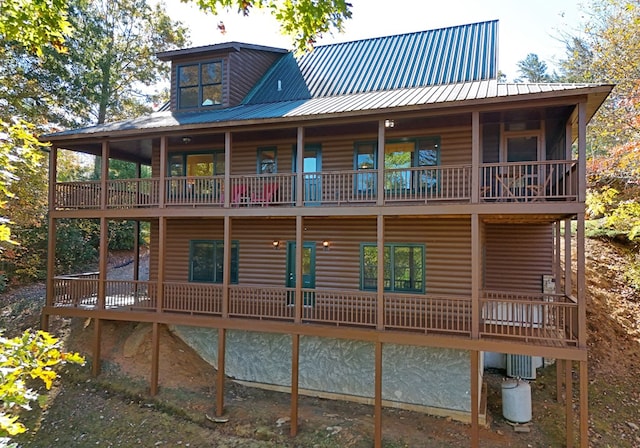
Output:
x,y
524,26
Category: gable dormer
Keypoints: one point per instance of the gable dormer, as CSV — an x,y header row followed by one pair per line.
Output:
x,y
216,76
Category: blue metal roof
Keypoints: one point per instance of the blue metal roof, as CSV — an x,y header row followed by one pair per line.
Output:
x,y
444,56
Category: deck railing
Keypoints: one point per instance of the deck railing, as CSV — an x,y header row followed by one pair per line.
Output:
x,y
499,182
428,313
529,181
541,317
261,303
428,183
194,298
195,190
262,190
549,319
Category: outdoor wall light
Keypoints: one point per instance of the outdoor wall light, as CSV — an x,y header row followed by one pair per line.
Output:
x,y
325,244
276,244
389,123
186,140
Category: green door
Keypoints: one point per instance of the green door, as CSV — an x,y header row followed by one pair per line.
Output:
x,y
308,271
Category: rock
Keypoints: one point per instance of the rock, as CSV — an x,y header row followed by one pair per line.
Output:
x,y
264,433
282,420
632,426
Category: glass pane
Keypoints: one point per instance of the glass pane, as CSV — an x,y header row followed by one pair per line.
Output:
x,y
176,166
267,163
407,268
387,268
234,262
369,267
200,165
310,163
188,75
202,261
212,95
219,262
218,161
306,260
522,149
188,97
365,157
212,73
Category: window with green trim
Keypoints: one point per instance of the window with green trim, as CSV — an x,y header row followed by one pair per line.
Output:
x,y
267,160
196,164
199,85
206,261
403,267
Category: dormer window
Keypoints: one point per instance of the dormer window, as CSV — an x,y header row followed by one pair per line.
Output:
x,y
200,85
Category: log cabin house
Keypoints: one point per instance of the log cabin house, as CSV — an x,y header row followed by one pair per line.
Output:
x,y
363,221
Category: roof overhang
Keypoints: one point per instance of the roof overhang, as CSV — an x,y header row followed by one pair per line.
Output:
x,y
481,95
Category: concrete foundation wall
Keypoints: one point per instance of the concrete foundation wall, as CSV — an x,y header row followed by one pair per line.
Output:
x,y
422,376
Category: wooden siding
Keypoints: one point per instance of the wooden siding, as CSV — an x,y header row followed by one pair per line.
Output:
x,y
246,67
517,256
447,249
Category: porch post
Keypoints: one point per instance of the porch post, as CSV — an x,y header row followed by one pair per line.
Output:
x,y
162,240
227,169
51,241
584,405
155,358
102,263
97,336
380,275
476,273
164,143
299,167
380,161
136,233
222,347
581,283
582,152
475,398
104,174
295,367
568,409
559,379
475,157
377,412
298,273
568,286
226,278
557,256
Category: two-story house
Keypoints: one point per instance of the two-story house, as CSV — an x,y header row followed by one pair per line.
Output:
x,y
362,221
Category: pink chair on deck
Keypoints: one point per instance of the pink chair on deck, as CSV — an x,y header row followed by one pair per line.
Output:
x,y
238,194
268,195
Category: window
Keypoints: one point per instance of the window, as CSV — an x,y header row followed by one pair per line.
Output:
x,y
400,157
198,164
200,85
267,161
403,267
206,261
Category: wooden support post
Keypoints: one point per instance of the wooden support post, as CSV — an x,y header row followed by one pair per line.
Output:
x,y
227,168
380,269
104,175
557,261
475,157
380,164
295,367
97,336
222,348
584,405
162,240
299,250
136,234
226,278
51,241
582,152
377,412
476,275
568,382
102,263
155,358
581,282
475,398
300,167
559,380
568,284
164,145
